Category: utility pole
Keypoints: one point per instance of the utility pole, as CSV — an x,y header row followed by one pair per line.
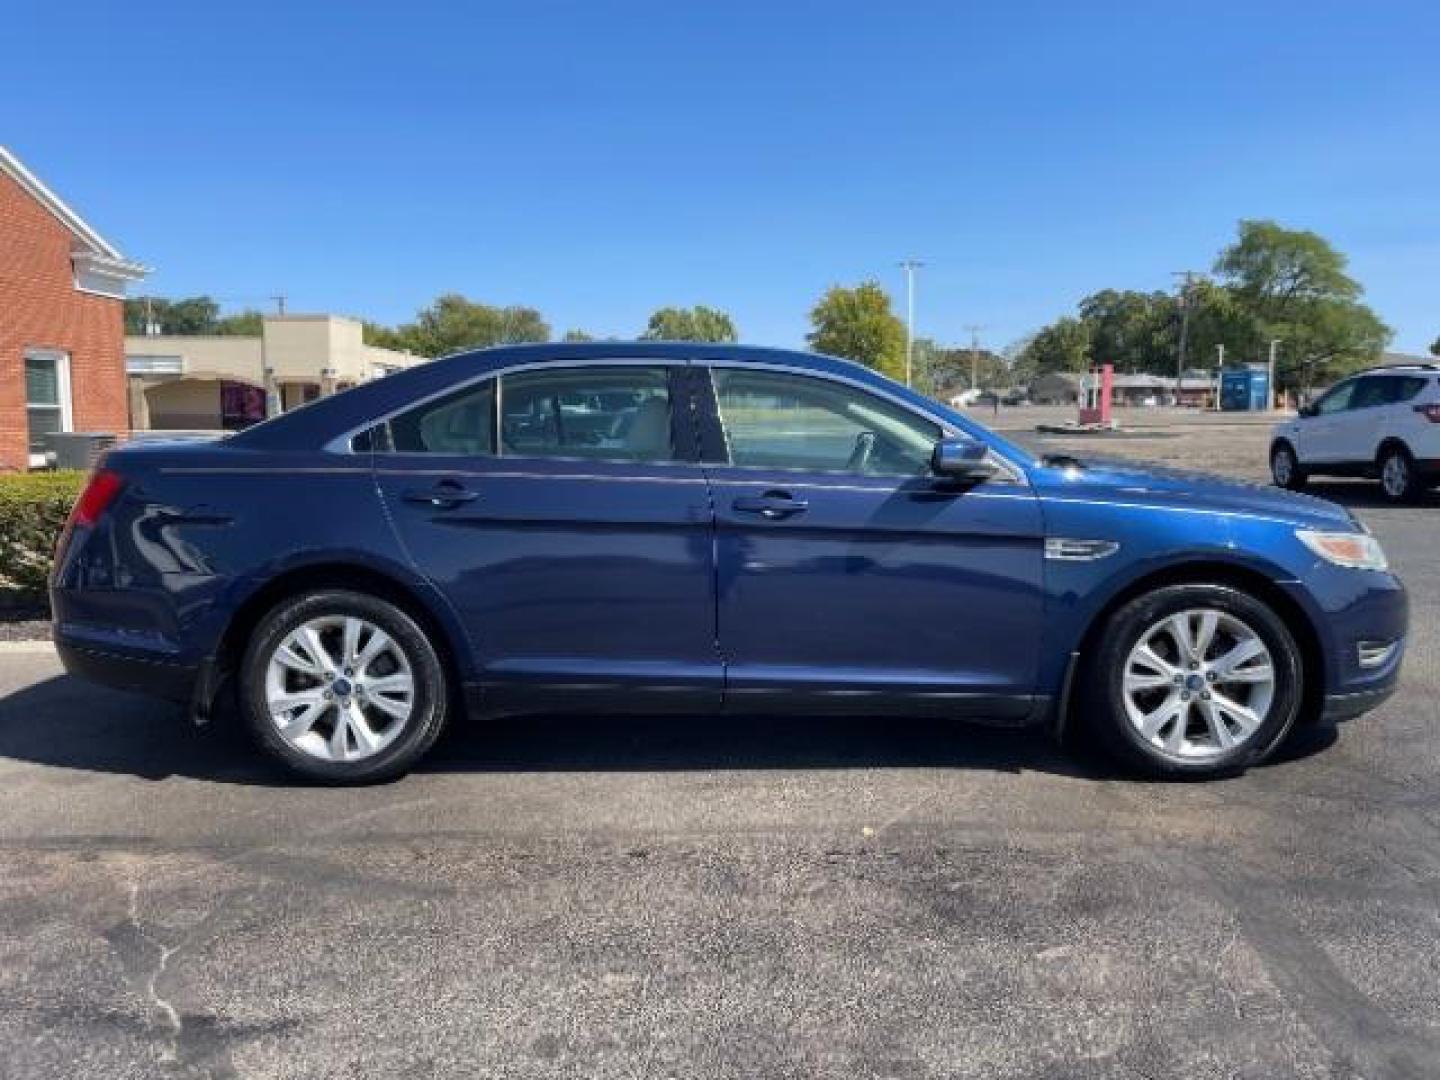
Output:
x,y
910,266
974,329
279,303
1187,280
1274,391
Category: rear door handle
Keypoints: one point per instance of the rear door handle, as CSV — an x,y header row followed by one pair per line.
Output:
x,y
773,505
445,495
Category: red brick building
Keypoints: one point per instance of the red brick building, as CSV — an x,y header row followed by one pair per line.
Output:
x,y
62,331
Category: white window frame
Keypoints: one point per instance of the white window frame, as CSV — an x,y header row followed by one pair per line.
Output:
x,y
66,405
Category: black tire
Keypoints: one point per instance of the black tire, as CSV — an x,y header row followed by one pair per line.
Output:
x,y
1102,699
431,691
1395,460
1285,468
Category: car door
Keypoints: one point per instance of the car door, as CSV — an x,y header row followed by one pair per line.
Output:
x,y
1358,431
847,576
556,508
1320,436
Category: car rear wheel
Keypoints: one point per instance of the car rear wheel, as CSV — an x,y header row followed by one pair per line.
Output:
x,y
1193,681
1399,479
1285,467
343,687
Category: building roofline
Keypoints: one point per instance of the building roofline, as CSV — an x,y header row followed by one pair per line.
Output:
x,y
101,249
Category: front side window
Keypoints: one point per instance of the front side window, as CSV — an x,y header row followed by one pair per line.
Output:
x,y
619,413
47,397
1337,400
782,421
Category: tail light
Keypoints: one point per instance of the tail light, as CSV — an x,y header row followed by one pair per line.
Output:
x,y
100,491
1430,411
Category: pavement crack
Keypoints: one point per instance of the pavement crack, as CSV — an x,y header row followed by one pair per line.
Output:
x,y
151,981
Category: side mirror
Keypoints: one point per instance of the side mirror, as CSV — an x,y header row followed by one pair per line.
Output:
x,y
960,458
1307,411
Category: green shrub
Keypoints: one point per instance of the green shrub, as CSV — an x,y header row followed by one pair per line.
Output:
x,y
33,508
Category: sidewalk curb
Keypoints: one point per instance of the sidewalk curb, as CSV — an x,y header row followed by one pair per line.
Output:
x,y
26,648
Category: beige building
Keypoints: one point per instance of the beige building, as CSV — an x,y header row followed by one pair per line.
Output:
x,y
226,383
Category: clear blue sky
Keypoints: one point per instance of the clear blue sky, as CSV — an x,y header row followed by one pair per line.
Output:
x,y
597,160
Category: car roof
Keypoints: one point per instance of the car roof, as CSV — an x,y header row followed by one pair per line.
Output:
x,y
316,424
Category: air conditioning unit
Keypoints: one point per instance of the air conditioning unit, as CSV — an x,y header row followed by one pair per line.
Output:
x,y
78,449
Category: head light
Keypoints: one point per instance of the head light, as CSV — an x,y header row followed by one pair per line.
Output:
x,y
1357,550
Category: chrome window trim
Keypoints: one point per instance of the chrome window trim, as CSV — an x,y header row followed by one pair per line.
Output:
x,y
341,444
1013,472
1010,471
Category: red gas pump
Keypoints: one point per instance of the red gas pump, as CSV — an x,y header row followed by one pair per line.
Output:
x,y
1096,389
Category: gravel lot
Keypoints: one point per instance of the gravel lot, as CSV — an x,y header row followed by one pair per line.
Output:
x,y
614,898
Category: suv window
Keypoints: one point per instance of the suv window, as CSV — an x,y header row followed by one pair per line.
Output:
x,y
1337,400
462,423
785,421
618,413
1406,387
1373,390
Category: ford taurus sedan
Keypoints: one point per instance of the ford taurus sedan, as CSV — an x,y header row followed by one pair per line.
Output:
x,y
699,530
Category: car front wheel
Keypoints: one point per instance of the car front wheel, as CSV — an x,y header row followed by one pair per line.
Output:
x,y
342,687
1193,681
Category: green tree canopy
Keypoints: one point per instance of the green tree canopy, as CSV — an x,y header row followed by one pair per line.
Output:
x,y
1064,345
453,324
577,335
697,323
193,315
941,371
1435,347
859,325
1291,285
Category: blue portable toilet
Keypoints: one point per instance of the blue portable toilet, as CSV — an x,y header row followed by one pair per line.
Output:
x,y
1245,389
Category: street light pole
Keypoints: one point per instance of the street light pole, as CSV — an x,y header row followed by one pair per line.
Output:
x,y
1274,391
910,266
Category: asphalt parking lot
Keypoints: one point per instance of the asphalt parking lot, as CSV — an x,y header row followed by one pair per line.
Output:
x,y
616,898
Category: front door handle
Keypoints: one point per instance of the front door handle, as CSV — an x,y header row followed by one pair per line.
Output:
x,y
445,495
773,505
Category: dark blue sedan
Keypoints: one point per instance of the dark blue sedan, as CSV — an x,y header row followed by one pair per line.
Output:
x,y
696,529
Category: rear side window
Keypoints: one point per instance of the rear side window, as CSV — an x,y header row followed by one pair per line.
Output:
x,y
1407,387
619,413
462,424
1373,390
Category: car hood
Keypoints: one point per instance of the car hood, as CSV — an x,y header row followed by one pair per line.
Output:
x,y
1125,481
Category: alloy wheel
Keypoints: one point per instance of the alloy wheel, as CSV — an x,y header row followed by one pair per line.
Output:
x,y
1283,467
1198,684
1395,475
339,688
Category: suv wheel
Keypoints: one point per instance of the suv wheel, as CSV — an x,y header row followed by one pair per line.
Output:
x,y
1193,681
342,687
1285,467
1398,479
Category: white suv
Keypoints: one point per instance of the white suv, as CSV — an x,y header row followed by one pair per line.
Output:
x,y
1383,423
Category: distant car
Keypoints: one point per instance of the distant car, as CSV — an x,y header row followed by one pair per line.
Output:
x,y
1383,423
700,531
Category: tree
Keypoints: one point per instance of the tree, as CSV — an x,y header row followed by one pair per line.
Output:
x,y
191,316
1064,345
577,335
1135,331
453,324
1290,284
859,325
698,323
941,371
1435,347
247,323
